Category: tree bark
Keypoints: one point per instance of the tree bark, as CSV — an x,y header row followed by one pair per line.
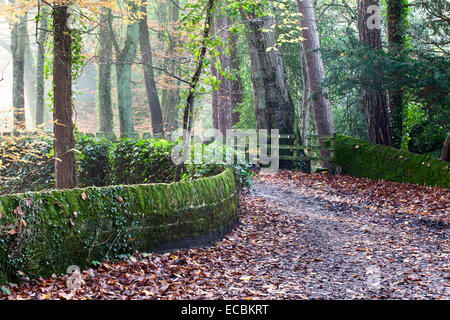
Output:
x,y
273,105
315,70
104,75
64,141
40,81
446,149
396,32
306,106
124,61
171,95
224,107
18,38
374,97
149,77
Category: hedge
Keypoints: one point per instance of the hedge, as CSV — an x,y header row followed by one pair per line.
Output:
x,y
363,159
42,233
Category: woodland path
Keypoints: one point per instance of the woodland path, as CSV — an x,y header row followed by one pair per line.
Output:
x,y
299,237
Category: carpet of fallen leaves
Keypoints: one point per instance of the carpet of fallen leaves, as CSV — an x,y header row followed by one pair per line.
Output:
x,y
299,237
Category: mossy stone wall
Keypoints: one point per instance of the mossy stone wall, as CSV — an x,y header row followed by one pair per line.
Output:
x,y
360,158
44,232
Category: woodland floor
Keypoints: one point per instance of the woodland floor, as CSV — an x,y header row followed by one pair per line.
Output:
x,y
300,237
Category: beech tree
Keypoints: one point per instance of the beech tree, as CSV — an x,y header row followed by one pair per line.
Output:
x,y
18,45
273,105
149,77
314,68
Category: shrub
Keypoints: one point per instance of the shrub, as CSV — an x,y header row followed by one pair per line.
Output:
x,y
213,158
141,161
93,161
26,163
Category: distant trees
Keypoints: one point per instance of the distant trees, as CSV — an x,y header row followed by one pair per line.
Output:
x,y
149,77
104,74
125,56
18,45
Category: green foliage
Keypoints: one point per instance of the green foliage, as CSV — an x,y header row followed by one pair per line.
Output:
x,y
207,163
42,233
362,159
93,161
141,161
26,163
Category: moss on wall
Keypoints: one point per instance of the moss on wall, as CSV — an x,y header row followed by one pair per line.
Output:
x,y
44,232
363,159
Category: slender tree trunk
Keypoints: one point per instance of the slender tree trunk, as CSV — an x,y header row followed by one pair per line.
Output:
x,y
306,106
104,75
171,95
374,97
18,38
40,81
236,84
396,32
189,107
124,62
273,105
64,142
149,77
224,106
315,71
215,96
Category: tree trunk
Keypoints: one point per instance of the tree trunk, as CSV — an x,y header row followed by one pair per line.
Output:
x,y
306,107
315,71
40,81
446,149
374,97
18,38
224,106
171,95
236,84
64,142
396,32
104,76
273,105
149,77
124,61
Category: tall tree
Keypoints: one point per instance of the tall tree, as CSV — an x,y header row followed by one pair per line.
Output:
x,y
397,11
18,44
374,96
273,105
40,61
149,77
222,100
171,94
64,141
124,61
314,68
104,74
